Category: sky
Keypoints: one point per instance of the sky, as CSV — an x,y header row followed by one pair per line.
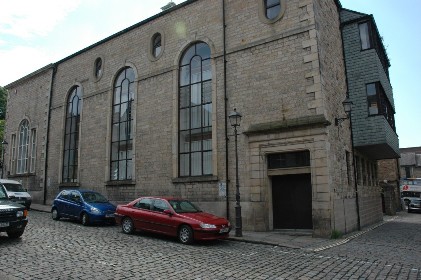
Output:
x,y
34,34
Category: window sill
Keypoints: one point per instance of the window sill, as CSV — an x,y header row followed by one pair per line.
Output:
x,y
69,185
120,183
198,179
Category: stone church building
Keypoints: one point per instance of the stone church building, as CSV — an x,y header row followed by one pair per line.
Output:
x,y
146,112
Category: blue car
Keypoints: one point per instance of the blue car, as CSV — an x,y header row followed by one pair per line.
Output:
x,y
86,206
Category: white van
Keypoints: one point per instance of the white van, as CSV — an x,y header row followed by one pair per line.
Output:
x,y
16,192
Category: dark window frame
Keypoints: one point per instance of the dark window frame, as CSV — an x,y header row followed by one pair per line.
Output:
x,y
122,147
71,136
192,130
383,104
288,159
270,6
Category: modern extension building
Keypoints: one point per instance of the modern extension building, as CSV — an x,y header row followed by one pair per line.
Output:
x,y
146,112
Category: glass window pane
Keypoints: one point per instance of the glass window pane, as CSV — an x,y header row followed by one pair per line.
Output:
x,y
207,115
196,164
123,112
184,165
206,70
272,13
196,94
365,36
203,50
184,119
122,170
114,170
187,56
115,134
184,141
185,75
114,151
117,93
125,91
207,163
184,97
129,169
120,79
116,113
196,69
130,74
196,117
371,89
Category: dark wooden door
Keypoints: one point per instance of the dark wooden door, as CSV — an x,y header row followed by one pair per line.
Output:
x,y
292,201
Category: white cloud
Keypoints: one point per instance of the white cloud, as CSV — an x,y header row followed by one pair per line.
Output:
x,y
33,18
21,61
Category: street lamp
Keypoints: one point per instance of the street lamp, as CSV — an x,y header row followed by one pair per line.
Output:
x,y
3,146
347,103
235,120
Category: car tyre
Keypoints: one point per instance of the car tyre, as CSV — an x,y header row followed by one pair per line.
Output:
x,y
127,225
15,234
84,219
55,215
409,210
185,234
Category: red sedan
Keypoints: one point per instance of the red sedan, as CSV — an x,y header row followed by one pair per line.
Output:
x,y
171,216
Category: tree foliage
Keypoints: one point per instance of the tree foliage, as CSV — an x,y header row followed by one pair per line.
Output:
x,y
3,102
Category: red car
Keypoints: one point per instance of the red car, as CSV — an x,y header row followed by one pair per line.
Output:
x,y
171,216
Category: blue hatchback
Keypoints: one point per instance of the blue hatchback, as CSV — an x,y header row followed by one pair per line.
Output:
x,y
83,205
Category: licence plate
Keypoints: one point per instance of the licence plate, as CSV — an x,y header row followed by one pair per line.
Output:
x,y
109,216
4,224
222,230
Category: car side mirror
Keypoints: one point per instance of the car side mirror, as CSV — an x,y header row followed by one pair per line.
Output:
x,y
168,212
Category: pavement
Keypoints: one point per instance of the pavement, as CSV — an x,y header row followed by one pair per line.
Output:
x,y
296,239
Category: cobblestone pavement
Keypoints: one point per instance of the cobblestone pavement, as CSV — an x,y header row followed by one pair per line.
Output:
x,y
67,250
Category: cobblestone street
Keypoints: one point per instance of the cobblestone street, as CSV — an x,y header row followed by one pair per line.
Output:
x,y
67,250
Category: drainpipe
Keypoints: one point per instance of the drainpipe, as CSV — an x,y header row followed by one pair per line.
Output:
x,y
226,110
47,136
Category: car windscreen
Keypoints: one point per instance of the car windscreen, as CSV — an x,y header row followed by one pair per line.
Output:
x,y
3,194
184,206
14,187
94,197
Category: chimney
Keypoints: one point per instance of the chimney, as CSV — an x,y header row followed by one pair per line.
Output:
x,y
168,6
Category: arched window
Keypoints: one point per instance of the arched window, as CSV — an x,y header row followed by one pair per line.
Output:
x,y
273,8
71,136
98,67
156,45
122,126
195,112
23,148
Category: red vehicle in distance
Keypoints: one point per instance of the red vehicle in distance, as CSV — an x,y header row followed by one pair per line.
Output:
x,y
171,216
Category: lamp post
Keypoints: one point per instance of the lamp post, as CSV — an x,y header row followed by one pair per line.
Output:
x,y
3,146
347,104
235,120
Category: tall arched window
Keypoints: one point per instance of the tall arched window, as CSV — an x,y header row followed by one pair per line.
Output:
x,y
122,126
195,112
23,148
71,136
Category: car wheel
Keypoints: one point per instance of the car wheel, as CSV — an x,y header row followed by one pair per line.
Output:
x,y
127,225
185,234
409,210
55,215
15,234
85,219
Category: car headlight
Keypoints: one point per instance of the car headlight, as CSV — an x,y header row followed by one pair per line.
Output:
x,y
203,225
95,210
19,214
